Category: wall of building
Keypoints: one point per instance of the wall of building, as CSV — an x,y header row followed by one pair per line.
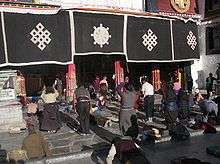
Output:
x,y
127,4
207,63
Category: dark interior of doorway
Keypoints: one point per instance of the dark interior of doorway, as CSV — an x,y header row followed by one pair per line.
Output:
x,y
35,75
87,67
136,70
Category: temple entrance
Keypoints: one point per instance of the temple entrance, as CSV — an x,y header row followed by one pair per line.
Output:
x,y
87,67
158,72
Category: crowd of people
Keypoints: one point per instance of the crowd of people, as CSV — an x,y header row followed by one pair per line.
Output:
x,y
176,105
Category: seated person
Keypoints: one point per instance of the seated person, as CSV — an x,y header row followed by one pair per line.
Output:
x,y
126,151
35,145
99,106
207,106
101,103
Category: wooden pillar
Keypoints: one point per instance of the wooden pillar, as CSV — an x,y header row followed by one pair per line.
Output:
x,y
119,72
71,84
156,78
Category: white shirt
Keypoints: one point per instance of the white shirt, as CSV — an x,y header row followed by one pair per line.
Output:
x,y
147,89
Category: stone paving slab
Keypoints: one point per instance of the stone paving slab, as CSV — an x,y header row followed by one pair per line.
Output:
x,y
12,141
68,141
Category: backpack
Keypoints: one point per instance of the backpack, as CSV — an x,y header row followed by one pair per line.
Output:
x,y
179,133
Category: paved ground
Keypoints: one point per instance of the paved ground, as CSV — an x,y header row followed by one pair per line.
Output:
x,y
163,153
195,147
12,141
67,141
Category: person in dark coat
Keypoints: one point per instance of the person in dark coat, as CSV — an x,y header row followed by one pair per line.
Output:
x,y
83,108
189,83
133,129
50,115
170,105
183,104
209,83
51,119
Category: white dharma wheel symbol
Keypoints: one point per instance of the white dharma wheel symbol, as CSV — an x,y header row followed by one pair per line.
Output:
x,y
101,35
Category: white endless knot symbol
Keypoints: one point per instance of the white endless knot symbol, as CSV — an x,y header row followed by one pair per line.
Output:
x,y
40,36
150,40
191,40
101,35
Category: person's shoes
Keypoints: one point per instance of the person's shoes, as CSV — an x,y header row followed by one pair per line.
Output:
x,y
52,131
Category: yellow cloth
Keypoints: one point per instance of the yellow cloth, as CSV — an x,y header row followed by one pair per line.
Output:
x,y
50,97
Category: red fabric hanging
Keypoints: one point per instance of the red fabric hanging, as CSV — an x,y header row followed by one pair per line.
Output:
x,y
156,78
165,6
119,73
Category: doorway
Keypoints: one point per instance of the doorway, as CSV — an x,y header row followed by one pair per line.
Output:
x,y
87,67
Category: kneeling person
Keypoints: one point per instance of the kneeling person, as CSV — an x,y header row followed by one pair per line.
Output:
x,y
35,145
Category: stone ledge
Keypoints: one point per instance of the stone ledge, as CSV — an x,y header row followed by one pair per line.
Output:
x,y
61,158
192,134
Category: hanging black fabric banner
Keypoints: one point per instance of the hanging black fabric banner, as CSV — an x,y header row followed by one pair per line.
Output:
x,y
2,52
148,40
38,38
101,33
185,39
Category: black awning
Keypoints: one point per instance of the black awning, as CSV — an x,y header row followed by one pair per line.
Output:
x,y
98,33
37,39
2,50
185,39
148,39
33,38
